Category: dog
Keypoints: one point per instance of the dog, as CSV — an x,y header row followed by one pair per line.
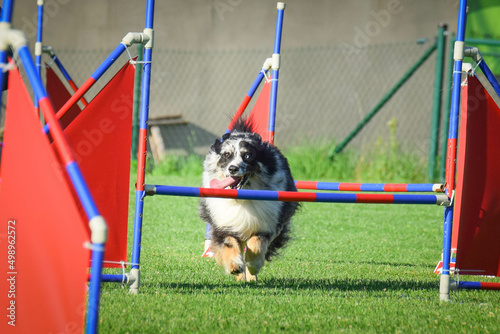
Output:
x,y
245,233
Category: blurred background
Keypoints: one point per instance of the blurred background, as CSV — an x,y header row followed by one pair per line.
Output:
x,y
339,59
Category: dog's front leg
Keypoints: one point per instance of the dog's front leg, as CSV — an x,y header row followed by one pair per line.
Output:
x,y
255,255
229,255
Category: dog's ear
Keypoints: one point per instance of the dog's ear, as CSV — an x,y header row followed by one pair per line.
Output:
x,y
218,143
258,143
225,136
217,146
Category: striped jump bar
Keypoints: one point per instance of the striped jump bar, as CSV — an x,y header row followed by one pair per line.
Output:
x,y
387,187
293,196
478,285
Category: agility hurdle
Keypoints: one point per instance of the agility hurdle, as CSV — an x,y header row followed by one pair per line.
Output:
x,y
445,199
10,189
456,187
144,190
13,197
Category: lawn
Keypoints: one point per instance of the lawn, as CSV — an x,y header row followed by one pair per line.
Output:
x,y
350,268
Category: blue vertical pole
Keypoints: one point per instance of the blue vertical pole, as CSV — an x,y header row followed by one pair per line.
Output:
x,y
6,17
39,33
275,68
142,147
452,148
38,44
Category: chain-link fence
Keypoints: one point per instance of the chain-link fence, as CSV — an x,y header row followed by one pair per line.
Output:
x,y
323,92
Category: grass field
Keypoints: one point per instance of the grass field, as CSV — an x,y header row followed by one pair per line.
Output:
x,y
350,268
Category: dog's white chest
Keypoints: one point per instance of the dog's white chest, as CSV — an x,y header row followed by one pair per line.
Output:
x,y
245,217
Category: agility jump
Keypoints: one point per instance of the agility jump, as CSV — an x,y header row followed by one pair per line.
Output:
x,y
456,189
448,199
38,230
53,228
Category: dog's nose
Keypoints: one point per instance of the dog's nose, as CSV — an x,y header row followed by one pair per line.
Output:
x,y
233,169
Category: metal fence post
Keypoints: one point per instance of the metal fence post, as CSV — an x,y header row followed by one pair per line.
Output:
x,y
436,109
137,102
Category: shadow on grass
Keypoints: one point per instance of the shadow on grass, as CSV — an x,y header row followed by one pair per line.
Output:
x,y
385,263
294,285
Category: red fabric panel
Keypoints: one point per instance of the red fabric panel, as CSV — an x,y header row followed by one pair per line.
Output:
x,y
259,116
100,137
58,94
51,263
476,226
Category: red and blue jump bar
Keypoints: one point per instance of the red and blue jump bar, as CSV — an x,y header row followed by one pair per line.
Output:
x,y
479,285
375,187
293,196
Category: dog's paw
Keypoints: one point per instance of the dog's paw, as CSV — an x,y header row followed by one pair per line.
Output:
x,y
250,277
246,277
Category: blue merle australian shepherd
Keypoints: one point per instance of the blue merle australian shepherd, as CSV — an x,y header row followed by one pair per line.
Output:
x,y
245,233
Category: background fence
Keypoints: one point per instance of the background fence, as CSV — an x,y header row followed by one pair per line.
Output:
x,y
323,93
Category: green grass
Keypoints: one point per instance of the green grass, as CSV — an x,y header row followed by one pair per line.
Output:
x,y
350,268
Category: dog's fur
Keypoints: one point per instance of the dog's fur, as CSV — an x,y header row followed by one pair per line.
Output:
x,y
262,227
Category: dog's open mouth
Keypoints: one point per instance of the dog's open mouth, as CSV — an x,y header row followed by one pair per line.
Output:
x,y
230,182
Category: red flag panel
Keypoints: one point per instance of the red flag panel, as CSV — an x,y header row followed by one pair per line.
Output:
x,y
259,116
100,137
44,262
476,226
59,94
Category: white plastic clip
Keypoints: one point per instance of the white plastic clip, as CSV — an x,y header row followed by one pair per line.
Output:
x,y
450,203
124,276
98,230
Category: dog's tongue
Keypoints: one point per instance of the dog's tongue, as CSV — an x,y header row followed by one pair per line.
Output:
x,y
221,184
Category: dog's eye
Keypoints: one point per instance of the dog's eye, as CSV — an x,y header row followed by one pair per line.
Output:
x,y
246,156
227,155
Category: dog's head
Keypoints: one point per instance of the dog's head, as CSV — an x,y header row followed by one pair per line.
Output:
x,y
234,159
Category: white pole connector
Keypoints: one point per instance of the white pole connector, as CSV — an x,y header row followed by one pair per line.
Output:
x,y
135,278
40,2
281,5
98,230
444,288
11,37
276,61
467,68
438,187
458,52
150,34
135,37
267,64
38,49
